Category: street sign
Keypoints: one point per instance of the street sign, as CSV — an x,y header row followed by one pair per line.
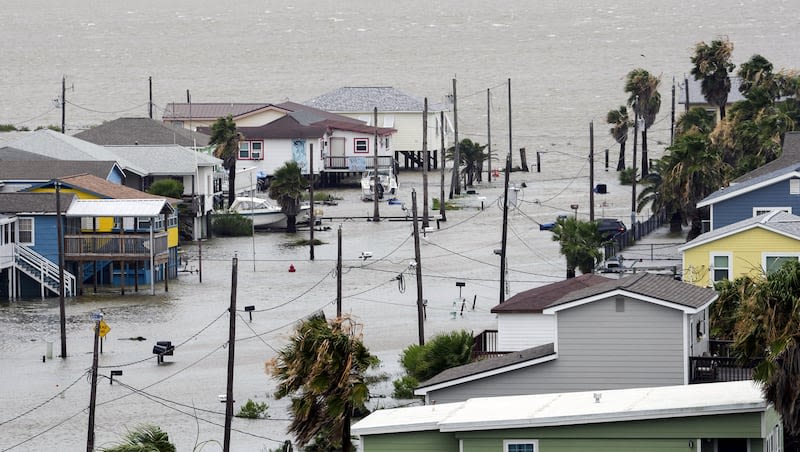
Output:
x,y
96,316
104,328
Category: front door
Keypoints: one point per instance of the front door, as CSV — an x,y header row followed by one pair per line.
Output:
x,y
299,154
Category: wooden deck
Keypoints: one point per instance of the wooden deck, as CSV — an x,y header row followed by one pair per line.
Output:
x,y
116,247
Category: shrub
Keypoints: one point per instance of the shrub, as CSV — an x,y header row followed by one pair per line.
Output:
x,y
166,187
448,205
253,410
231,224
404,387
627,175
422,362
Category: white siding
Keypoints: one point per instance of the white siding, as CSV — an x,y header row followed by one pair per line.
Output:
x,y
518,331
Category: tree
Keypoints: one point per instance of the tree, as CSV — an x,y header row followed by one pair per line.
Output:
x,y
170,188
697,119
422,362
767,326
144,438
620,123
712,64
287,188
646,102
580,242
226,139
652,194
472,158
322,370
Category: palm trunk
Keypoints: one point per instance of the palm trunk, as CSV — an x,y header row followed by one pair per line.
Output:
x,y
645,161
291,223
231,184
621,161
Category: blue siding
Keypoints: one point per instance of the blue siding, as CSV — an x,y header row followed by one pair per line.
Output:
x,y
740,207
115,176
45,234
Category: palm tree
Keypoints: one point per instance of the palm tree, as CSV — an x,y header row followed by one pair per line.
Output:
x,y
652,194
472,158
226,138
712,64
144,438
322,370
580,242
646,102
696,119
620,123
287,188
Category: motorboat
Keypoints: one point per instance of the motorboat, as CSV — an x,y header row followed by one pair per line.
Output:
x,y
264,213
387,184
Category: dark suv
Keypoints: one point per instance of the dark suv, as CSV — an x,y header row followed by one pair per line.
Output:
x,y
610,228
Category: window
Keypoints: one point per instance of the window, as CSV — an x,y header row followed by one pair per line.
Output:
x,y
244,150
520,445
794,186
762,210
361,145
25,231
251,150
255,150
721,267
773,262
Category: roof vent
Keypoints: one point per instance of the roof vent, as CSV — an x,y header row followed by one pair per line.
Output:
x,y
597,396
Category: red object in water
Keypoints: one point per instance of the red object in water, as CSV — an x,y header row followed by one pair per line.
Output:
x,y
291,268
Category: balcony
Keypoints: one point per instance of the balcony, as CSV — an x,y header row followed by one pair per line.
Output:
x,y
484,346
713,369
120,247
345,163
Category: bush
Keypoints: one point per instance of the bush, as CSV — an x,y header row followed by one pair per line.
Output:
x,y
404,387
422,362
627,175
166,187
231,224
253,410
448,205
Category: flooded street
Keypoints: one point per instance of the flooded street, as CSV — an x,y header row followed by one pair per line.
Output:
x,y
46,401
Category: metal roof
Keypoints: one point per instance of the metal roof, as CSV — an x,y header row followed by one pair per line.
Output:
x,y
118,208
213,111
776,221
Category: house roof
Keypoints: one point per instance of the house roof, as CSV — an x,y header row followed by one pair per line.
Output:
x,y
36,171
659,289
777,221
142,131
363,99
100,187
149,207
696,91
309,115
749,185
11,154
169,160
536,299
487,367
32,203
213,111
790,156
571,408
288,127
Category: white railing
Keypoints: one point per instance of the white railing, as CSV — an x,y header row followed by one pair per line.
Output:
x,y
46,271
6,255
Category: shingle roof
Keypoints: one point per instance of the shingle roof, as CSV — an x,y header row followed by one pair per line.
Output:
x,y
776,221
142,131
211,111
103,188
489,364
169,160
748,185
36,171
309,115
33,203
534,300
660,287
363,99
11,154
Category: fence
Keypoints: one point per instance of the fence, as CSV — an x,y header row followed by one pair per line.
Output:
x,y
635,232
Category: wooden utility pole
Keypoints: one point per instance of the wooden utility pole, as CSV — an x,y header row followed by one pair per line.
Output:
x,y
311,219
672,118
442,213
489,132
61,304
226,447
510,148
455,182
427,158
591,170
633,182
505,232
420,302
93,393
339,272
150,103
63,104
376,215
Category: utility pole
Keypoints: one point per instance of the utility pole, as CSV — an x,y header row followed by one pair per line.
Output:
x,y
505,232
226,447
93,393
510,148
420,305
633,182
150,104
672,120
591,170
376,216
489,132
339,272
61,303
426,157
311,219
455,182
63,104
442,214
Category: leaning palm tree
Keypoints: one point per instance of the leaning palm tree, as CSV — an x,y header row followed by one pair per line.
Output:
x,y
712,66
652,195
579,242
144,438
472,157
226,139
287,188
696,119
645,100
620,123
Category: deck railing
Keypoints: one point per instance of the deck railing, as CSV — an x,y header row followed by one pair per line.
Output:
x,y
710,369
114,246
484,345
345,162
634,233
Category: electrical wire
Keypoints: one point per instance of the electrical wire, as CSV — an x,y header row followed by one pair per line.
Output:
x,y
25,413
107,112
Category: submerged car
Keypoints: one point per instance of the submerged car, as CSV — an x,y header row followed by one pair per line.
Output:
x,y
610,228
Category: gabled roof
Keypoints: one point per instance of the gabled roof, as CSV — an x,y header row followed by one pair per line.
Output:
x,y
213,111
777,221
309,115
142,131
363,99
11,154
165,160
100,187
790,156
288,127
658,289
749,185
536,299
33,203
36,171
487,367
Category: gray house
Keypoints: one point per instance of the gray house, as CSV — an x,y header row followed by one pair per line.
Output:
x,y
637,331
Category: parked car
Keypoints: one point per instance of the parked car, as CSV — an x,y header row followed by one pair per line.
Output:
x,y
610,227
549,226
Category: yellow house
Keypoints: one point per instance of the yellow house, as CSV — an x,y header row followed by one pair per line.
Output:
x,y
754,246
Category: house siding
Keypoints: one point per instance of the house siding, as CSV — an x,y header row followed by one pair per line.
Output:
x,y
746,247
740,207
598,348
431,441
518,331
408,126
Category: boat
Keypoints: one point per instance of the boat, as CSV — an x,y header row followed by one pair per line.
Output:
x,y
264,213
387,184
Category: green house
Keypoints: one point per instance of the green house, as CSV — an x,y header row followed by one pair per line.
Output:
x,y
719,417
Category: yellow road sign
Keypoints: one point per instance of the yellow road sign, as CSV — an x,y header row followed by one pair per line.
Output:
x,y
104,328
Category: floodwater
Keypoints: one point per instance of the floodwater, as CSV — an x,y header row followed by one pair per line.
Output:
x,y
46,401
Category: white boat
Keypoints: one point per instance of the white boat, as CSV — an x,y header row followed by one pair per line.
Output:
x,y
387,184
264,213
